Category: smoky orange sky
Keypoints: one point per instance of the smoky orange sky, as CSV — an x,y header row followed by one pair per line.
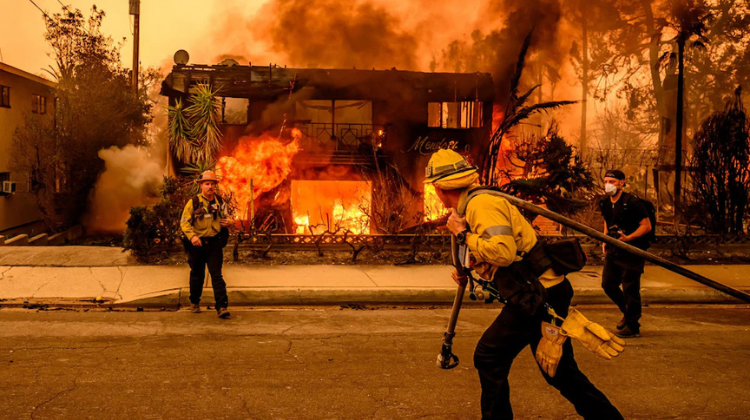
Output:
x,y
166,26
377,34
208,29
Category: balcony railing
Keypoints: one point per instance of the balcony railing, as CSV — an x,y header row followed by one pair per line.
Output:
x,y
342,136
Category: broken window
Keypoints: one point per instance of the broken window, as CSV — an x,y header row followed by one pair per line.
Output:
x,y
234,110
348,122
465,114
335,111
315,111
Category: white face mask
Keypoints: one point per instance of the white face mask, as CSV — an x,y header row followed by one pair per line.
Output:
x,y
610,189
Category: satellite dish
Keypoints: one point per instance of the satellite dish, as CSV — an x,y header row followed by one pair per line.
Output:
x,y
181,57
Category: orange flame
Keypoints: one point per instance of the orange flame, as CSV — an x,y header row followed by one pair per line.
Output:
x,y
265,160
497,117
321,205
433,207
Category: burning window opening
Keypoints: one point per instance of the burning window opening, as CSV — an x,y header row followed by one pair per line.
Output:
x,y
433,207
318,206
234,110
455,114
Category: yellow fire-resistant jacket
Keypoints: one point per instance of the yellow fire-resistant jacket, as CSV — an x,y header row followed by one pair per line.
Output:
x,y
203,226
498,231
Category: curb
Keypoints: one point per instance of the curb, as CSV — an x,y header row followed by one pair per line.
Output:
x,y
269,297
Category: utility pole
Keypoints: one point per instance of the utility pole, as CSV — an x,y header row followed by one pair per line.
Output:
x,y
135,10
584,78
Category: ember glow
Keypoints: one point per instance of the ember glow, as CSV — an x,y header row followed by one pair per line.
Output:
x,y
433,207
265,160
321,205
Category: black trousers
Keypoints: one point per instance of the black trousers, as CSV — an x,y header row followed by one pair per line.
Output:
x,y
211,255
513,330
628,299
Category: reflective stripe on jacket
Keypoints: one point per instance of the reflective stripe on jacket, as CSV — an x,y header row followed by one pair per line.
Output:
x,y
498,233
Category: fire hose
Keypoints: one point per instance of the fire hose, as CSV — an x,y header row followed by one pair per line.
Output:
x,y
447,360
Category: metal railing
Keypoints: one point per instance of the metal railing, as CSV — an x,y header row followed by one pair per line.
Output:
x,y
340,136
405,241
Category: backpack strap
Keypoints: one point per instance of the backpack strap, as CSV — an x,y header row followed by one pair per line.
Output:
x,y
461,210
196,204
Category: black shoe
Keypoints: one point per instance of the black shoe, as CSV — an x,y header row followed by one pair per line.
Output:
x,y
621,324
628,332
223,313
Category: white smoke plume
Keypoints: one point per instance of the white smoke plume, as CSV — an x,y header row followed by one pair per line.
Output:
x,y
132,177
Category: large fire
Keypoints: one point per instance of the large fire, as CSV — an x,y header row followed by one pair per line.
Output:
x,y
265,160
433,207
336,206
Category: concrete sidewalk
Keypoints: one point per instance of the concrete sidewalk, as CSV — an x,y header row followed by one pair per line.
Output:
x,y
63,277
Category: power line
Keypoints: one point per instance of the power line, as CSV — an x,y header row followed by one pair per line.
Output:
x,y
61,4
40,9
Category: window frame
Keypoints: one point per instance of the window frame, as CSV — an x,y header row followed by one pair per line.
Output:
x,y
468,115
3,90
38,104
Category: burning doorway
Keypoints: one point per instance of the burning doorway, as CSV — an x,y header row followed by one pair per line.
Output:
x,y
332,205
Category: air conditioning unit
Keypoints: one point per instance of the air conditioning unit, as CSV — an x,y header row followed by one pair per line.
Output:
x,y
9,187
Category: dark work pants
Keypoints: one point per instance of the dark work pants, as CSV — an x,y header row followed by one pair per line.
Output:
x,y
199,257
628,299
503,341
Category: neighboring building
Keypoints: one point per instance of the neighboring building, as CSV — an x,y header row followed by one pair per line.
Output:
x,y
354,123
21,95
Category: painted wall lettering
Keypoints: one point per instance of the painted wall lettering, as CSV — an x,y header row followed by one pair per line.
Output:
x,y
424,146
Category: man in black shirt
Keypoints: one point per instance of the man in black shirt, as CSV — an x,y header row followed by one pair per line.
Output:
x,y
625,219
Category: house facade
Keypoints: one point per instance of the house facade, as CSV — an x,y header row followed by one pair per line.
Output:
x,y
22,96
354,126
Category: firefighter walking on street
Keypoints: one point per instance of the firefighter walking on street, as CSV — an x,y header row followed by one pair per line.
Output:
x,y
205,225
501,246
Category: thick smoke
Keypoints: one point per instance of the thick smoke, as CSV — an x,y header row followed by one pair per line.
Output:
x,y
421,35
337,34
132,177
495,48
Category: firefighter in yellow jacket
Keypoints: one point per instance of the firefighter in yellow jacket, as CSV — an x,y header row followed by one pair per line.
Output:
x,y
205,225
500,242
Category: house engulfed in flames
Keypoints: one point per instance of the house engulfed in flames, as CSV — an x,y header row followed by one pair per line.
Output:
x,y
310,150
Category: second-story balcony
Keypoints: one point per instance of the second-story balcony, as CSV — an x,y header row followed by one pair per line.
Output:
x,y
340,136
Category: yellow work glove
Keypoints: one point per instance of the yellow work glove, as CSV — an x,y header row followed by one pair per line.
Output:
x,y
550,350
592,335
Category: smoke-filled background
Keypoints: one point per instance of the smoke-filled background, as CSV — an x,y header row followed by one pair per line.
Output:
x,y
442,35
422,35
624,43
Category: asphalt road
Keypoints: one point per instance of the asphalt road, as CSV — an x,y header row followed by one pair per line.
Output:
x,y
691,363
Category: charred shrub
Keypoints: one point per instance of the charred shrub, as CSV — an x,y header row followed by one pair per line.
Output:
x,y
153,230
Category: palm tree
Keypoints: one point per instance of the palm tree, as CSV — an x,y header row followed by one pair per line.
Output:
x,y
689,18
515,113
194,133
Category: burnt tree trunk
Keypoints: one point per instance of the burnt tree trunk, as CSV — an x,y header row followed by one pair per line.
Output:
x,y
679,127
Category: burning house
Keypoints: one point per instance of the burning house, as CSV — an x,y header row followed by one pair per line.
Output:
x,y
311,149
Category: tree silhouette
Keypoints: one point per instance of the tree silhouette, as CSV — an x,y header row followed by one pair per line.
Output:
x,y
689,18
